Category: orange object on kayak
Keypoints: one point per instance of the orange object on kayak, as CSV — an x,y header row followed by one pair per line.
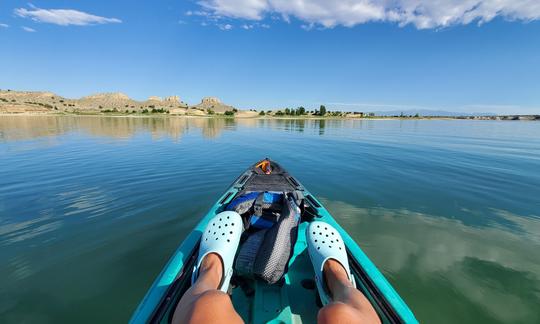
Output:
x,y
265,166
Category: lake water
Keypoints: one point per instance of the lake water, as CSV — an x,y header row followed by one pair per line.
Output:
x,y
91,208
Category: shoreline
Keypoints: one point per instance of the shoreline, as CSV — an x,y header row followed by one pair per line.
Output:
x,y
269,117
39,103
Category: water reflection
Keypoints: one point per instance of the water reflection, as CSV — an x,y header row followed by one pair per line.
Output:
x,y
322,123
491,274
28,127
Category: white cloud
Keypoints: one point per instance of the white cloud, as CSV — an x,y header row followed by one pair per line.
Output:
x,y
4,25
198,13
420,13
28,29
307,27
63,17
214,18
248,9
254,25
225,27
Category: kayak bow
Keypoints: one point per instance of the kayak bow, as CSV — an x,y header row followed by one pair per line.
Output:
x,y
294,298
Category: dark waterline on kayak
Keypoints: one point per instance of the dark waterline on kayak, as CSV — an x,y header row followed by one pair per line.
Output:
x,y
92,207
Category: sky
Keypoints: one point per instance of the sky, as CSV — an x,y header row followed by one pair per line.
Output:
x,y
363,55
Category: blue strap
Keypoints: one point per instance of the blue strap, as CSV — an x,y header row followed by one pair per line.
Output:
x,y
271,197
260,222
241,199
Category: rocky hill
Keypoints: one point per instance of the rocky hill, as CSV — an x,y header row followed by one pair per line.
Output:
x,y
214,104
44,102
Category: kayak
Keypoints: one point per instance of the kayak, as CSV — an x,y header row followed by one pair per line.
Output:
x,y
283,293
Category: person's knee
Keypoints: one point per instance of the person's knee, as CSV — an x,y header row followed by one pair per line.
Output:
x,y
212,306
337,313
214,297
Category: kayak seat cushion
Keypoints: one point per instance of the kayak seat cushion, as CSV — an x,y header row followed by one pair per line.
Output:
x,y
276,248
247,255
266,252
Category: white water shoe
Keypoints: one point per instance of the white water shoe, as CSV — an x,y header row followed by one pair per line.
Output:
x,y
221,236
324,243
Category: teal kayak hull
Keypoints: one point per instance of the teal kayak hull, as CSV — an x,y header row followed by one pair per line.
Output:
x,y
292,302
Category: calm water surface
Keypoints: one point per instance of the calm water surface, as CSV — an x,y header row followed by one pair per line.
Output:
x,y
91,208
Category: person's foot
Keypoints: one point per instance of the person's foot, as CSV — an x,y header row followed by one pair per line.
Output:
x,y
211,270
221,237
335,277
343,303
349,304
329,258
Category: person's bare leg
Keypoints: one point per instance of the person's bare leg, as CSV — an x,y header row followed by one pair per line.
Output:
x,y
348,304
203,302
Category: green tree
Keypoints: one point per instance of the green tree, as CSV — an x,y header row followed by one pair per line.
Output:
x,y
210,112
287,111
322,110
262,113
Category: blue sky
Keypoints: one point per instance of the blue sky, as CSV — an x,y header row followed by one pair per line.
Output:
x,y
365,55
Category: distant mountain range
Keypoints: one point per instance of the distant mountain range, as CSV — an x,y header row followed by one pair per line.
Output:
x,y
425,112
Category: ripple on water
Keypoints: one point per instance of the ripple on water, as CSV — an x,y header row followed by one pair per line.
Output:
x,y
91,208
